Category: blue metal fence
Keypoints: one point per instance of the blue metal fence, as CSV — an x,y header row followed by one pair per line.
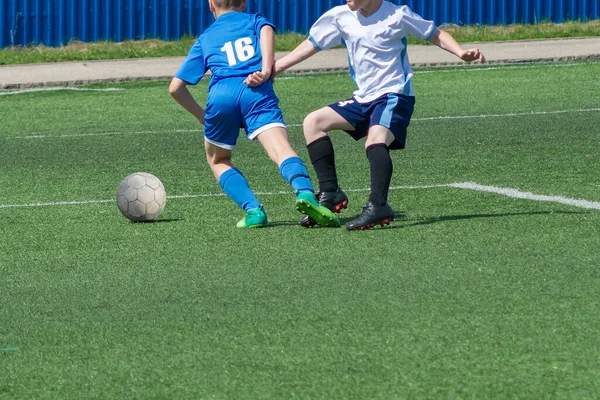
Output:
x,y
56,22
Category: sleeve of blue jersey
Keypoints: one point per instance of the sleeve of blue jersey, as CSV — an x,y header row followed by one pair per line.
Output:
x,y
260,20
193,67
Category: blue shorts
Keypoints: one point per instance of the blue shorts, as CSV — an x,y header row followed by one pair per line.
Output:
x,y
233,105
391,110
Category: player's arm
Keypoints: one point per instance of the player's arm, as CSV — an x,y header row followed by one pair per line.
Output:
x,y
178,89
304,50
267,48
324,34
445,41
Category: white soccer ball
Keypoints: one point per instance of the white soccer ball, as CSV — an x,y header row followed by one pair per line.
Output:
x,y
141,197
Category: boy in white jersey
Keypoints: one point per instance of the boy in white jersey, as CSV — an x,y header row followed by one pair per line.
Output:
x,y
374,33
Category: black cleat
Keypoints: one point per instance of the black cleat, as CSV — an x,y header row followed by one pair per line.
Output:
x,y
372,215
335,201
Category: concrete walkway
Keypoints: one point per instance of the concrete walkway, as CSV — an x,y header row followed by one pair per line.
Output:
x,y
77,73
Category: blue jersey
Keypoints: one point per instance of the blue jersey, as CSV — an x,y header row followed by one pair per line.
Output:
x,y
230,47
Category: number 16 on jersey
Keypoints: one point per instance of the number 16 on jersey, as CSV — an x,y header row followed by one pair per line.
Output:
x,y
241,50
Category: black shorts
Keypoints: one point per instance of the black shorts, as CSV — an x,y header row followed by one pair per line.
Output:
x,y
391,110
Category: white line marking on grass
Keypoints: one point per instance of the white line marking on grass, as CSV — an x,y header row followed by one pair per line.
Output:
x,y
193,196
531,113
580,110
196,196
517,194
282,193
58,203
74,135
509,192
56,89
438,118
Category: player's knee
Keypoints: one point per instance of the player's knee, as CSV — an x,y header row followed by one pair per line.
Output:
x,y
310,121
314,123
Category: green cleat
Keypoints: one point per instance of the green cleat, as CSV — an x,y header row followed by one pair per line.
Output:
x,y
307,204
254,218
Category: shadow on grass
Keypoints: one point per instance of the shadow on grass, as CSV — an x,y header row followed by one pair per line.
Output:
x,y
158,221
444,218
402,221
283,223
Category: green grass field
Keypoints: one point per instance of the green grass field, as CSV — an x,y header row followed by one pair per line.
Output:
x,y
471,293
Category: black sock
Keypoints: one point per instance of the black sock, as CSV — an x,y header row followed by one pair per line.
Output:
x,y
321,155
381,172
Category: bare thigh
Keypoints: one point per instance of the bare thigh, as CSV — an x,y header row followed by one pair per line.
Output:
x,y
379,134
319,122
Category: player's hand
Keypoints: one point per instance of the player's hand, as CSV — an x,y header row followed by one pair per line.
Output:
x,y
257,78
473,55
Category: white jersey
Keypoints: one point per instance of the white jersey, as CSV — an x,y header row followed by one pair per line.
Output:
x,y
376,46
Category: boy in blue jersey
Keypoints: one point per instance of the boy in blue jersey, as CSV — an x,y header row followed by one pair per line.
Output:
x,y
374,33
235,46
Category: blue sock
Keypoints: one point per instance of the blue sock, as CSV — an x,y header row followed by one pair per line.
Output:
x,y
236,187
294,171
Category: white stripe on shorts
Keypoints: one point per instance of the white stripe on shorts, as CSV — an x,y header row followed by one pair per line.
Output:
x,y
263,128
218,144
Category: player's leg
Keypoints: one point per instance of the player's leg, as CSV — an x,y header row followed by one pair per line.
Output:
x,y
378,153
263,120
222,128
320,149
389,119
377,211
235,185
316,126
277,146
293,170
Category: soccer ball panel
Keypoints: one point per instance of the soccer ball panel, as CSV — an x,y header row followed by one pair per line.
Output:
x,y
123,204
136,210
153,182
131,194
153,208
145,194
160,196
123,186
136,181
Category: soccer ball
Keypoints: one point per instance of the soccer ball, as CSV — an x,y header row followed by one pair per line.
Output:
x,y
141,197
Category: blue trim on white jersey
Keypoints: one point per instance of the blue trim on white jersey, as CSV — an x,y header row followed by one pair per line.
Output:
x,y
432,34
403,56
386,117
350,67
314,43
